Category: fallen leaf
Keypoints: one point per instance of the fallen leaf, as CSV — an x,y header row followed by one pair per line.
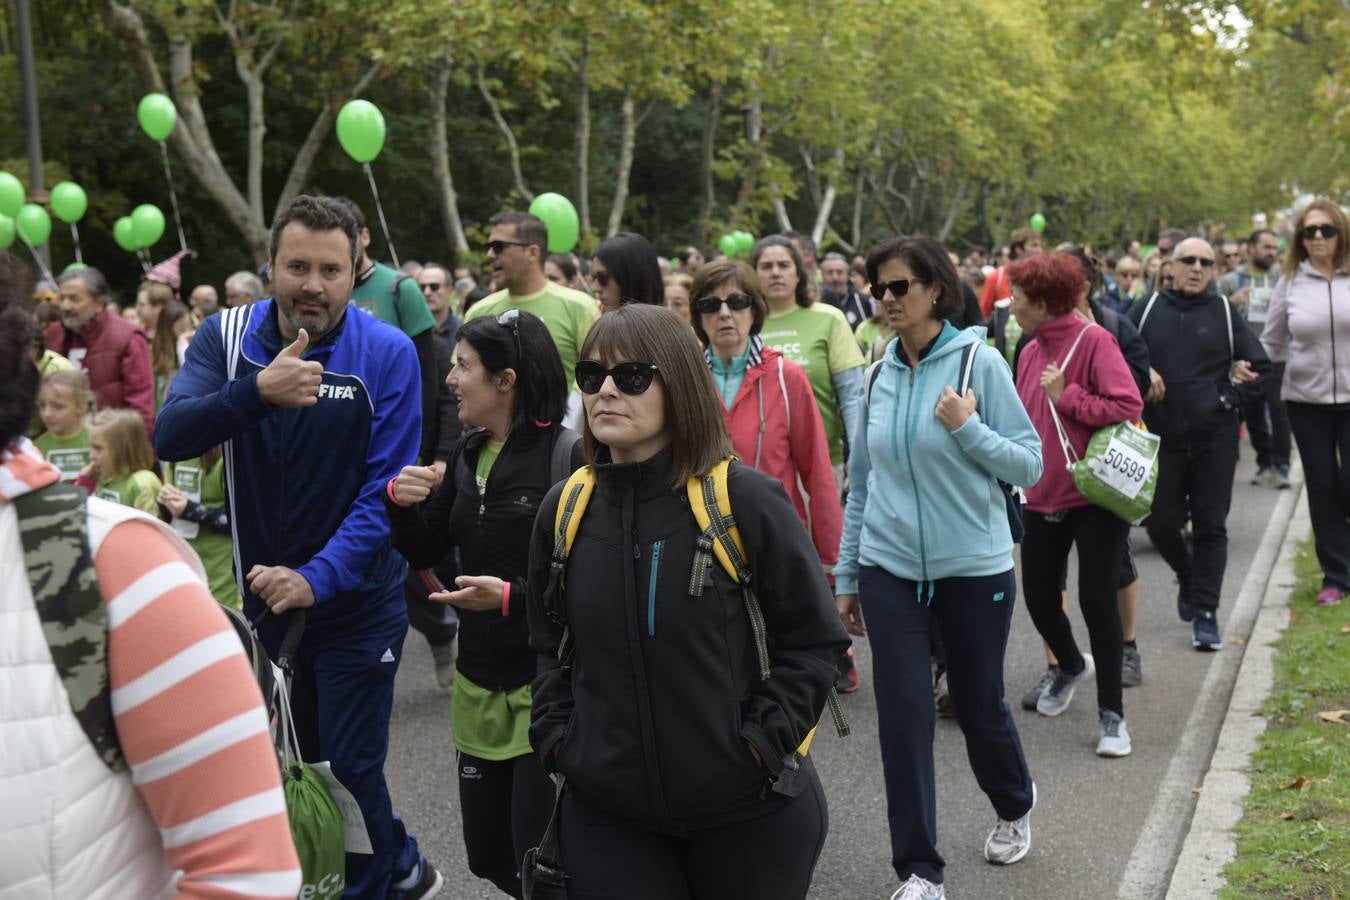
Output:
x,y
1236,640
1336,716
1345,629
1286,815
1195,791
1298,784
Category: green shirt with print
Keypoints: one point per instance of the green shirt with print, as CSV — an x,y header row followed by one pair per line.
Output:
x,y
869,333
374,294
566,313
487,457
69,454
214,548
138,490
818,339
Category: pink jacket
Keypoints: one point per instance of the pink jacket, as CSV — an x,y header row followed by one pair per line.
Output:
x,y
1099,391
1310,318
776,397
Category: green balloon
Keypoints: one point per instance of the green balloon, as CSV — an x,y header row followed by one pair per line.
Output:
x,y
12,195
729,244
35,226
561,219
360,128
147,225
69,201
74,267
745,241
7,232
125,235
157,116
1037,223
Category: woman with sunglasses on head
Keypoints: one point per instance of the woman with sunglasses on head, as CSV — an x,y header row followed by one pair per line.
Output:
x,y
509,381
927,546
770,410
625,270
682,777
1309,318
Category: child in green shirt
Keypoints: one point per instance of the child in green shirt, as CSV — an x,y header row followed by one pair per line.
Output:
x,y
194,495
121,462
64,401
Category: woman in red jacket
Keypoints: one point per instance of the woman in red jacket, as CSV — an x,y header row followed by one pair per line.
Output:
x,y
770,409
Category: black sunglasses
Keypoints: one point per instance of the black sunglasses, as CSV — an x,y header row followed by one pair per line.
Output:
x,y
496,247
431,286
631,378
1188,261
711,305
898,289
1327,231
602,278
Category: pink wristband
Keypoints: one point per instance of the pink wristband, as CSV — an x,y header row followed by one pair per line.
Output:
x,y
389,489
506,598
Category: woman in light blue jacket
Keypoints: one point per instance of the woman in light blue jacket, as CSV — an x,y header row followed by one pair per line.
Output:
x,y
927,543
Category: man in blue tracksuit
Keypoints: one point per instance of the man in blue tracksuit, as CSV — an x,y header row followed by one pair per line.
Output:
x,y
317,410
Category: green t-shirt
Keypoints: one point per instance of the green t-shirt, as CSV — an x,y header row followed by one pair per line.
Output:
x,y
567,314
215,549
138,490
487,457
818,339
69,454
374,294
868,333
492,725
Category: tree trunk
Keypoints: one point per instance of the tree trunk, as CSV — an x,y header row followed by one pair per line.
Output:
x,y
754,129
827,200
512,147
583,136
440,161
257,129
627,138
954,210
856,224
318,133
705,208
779,209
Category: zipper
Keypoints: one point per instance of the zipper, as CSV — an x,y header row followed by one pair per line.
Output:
x,y
913,478
1331,310
651,587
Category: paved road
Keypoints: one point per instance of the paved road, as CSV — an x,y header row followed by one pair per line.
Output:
x,y
1090,810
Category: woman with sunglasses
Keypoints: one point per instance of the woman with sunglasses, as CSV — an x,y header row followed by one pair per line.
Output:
x,y
769,407
681,776
625,270
1309,318
509,381
927,546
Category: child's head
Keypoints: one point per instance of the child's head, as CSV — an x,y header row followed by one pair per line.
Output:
x,y
118,444
63,401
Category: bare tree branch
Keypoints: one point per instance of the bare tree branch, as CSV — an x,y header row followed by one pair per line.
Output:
x,y
512,147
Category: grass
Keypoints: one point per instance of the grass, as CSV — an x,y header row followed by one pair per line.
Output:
x,y
1294,837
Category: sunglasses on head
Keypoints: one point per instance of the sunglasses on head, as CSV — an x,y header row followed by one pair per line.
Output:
x,y
1188,261
631,378
1327,231
711,305
496,247
898,289
511,319
431,286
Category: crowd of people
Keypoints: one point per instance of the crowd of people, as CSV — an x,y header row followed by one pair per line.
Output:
x,y
639,507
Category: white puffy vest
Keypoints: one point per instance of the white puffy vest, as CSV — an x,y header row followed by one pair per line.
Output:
x,y
69,827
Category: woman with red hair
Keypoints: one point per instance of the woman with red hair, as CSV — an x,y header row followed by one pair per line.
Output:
x,y
1077,368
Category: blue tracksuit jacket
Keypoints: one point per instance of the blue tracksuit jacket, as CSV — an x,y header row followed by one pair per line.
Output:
x,y
304,485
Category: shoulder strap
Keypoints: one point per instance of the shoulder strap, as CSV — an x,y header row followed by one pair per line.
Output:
x,y
967,365
567,520
560,464
873,373
1228,321
1148,307
398,282
710,501
53,528
1074,346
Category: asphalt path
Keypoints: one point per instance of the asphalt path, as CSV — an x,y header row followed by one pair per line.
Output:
x,y
1090,811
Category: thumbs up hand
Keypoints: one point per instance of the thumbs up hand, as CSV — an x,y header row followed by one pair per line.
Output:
x,y
289,380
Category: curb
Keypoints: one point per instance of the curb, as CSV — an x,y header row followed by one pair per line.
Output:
x,y
1148,874
1211,843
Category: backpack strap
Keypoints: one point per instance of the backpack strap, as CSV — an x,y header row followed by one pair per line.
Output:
x,y
566,522
967,365
1148,307
873,373
1228,320
53,528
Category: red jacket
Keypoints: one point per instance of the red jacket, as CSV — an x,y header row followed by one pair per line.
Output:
x,y
1098,391
117,360
776,397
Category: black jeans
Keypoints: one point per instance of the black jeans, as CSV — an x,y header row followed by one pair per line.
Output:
x,y
1270,436
973,616
505,805
1195,480
1323,435
1100,536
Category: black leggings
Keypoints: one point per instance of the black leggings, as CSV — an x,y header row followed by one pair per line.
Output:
x,y
1100,536
1323,435
505,806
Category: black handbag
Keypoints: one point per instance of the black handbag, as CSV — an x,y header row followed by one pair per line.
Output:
x,y
541,872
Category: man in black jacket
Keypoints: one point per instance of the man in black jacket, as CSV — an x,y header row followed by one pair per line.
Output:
x,y
1200,351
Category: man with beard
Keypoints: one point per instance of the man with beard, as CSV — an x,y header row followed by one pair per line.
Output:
x,y
318,408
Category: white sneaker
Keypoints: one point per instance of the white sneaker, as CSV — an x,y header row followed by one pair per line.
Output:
x,y
1056,697
443,655
1113,737
1010,841
917,888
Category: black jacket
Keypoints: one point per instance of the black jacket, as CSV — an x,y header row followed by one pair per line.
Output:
x,y
856,306
651,720
1188,346
446,429
493,536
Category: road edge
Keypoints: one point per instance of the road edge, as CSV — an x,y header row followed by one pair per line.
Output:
x,y
1149,871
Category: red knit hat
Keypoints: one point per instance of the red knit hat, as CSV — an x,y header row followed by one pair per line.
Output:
x,y
170,271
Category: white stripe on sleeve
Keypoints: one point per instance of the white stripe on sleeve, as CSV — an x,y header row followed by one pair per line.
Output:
x,y
260,806
147,589
257,884
179,667
232,731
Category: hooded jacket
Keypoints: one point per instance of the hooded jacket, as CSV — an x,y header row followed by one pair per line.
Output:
x,y
1188,346
651,720
925,503
1310,318
775,427
1098,391
117,359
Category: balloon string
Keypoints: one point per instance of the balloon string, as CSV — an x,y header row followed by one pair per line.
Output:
x,y
173,195
380,209
144,257
75,236
37,258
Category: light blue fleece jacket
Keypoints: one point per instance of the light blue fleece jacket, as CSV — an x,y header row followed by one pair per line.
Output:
x,y
925,502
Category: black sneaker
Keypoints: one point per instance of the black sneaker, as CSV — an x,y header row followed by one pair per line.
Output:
x,y
1131,667
1031,697
1205,631
1184,608
429,883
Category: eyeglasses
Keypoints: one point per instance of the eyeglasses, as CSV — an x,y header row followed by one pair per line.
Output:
x,y
496,247
1202,261
898,289
1327,231
708,306
632,378
511,319
602,278
432,286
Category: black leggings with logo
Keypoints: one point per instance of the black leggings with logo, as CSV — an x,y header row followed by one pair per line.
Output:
x,y
505,805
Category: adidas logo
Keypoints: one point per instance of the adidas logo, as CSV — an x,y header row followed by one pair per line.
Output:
x,y
388,656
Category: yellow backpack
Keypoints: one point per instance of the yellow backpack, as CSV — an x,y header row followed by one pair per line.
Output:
x,y
710,501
